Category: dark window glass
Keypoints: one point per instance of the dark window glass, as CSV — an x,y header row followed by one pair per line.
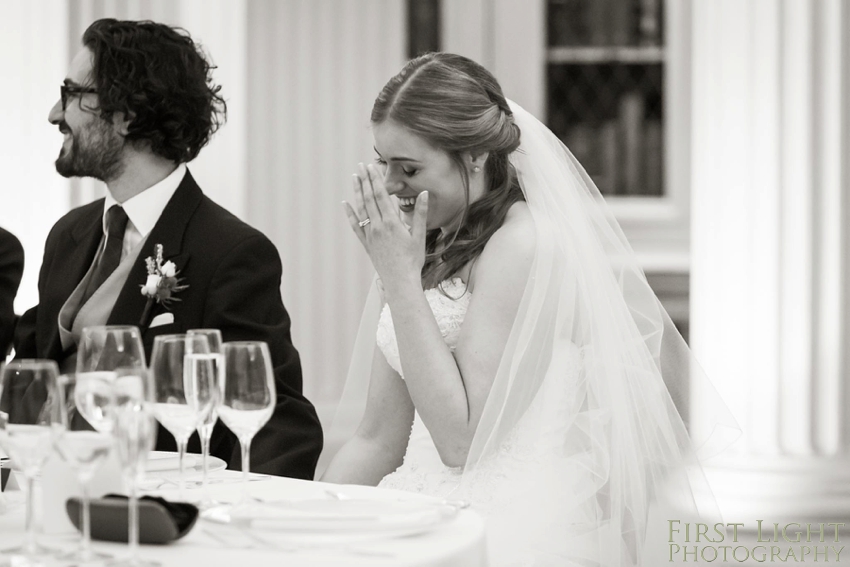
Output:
x,y
605,95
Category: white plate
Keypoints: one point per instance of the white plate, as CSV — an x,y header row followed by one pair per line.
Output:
x,y
354,518
167,463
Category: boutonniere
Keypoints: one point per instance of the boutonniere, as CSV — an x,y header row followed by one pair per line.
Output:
x,y
162,283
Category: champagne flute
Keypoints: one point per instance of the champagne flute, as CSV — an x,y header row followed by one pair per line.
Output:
x,y
176,408
249,396
109,347
85,450
29,400
205,381
205,430
134,431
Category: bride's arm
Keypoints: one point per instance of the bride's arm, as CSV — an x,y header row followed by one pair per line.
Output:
x,y
378,446
449,391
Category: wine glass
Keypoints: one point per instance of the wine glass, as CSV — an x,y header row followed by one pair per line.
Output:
x,y
85,450
249,396
208,423
176,407
205,381
109,347
29,400
134,430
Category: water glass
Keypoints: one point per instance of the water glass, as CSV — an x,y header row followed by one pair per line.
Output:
x,y
176,406
31,416
83,449
134,429
249,396
109,347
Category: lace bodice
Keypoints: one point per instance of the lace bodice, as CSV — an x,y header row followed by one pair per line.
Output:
x,y
448,312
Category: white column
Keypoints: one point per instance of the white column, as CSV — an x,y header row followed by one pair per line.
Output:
x,y
771,248
33,56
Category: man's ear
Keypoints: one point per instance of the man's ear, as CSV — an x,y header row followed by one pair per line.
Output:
x,y
122,122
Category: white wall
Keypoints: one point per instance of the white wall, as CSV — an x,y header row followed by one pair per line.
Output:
x,y
33,57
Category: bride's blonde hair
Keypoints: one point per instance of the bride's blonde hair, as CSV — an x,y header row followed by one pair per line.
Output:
x,y
457,106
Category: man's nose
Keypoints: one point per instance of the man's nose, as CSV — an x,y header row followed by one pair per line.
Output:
x,y
56,113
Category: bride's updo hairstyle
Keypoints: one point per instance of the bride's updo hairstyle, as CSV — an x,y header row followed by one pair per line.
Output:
x,y
457,106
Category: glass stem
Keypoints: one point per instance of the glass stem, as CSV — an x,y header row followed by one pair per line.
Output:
x,y
205,452
181,448
85,544
246,466
31,545
133,534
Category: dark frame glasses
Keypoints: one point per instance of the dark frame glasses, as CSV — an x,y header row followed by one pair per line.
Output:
x,y
66,91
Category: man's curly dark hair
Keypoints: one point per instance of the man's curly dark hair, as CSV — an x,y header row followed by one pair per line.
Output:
x,y
159,77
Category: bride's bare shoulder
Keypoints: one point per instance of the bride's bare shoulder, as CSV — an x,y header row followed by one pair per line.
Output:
x,y
510,251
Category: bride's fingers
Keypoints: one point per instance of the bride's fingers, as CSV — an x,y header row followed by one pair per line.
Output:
x,y
359,205
354,222
369,195
420,218
382,198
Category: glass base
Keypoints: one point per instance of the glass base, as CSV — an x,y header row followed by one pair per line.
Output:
x,y
79,557
22,557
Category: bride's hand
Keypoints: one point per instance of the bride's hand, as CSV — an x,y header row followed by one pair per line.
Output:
x,y
396,252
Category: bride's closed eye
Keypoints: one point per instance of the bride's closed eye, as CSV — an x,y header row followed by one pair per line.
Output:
x,y
383,164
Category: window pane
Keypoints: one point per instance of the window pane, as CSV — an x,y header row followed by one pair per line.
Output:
x,y
605,90
605,22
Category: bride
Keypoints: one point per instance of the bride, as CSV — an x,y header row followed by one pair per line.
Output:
x,y
537,375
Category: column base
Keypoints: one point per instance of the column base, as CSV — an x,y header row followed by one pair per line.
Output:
x,y
781,489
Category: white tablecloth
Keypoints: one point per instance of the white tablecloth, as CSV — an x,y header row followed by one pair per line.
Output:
x,y
458,542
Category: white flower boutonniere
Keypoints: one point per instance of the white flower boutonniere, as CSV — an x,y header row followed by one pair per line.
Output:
x,y
162,283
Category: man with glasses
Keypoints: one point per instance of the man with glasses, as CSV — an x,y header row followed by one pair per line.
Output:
x,y
137,105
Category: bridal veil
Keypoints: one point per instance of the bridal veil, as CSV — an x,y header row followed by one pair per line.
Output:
x,y
581,436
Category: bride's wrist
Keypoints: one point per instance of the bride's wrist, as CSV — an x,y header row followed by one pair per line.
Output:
x,y
400,286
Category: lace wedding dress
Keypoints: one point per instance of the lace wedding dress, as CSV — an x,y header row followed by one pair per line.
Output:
x,y
504,488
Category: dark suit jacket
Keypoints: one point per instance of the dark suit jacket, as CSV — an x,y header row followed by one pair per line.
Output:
x,y
233,272
11,271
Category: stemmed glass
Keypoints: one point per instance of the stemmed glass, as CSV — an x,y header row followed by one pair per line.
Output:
x,y
176,406
249,396
109,347
205,429
91,397
134,430
31,415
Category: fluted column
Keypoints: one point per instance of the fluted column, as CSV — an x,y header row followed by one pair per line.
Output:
x,y
771,248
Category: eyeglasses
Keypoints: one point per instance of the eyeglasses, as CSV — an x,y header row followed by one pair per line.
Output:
x,y
67,91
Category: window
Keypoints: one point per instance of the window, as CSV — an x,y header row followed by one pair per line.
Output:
x,y
605,90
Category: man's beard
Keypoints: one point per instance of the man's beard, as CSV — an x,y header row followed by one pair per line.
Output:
x,y
95,151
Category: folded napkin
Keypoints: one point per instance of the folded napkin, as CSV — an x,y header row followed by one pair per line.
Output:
x,y
163,461
160,521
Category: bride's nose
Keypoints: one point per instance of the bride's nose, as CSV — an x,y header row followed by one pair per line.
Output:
x,y
392,184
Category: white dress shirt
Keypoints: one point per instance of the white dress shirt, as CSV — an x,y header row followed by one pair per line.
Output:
x,y
144,209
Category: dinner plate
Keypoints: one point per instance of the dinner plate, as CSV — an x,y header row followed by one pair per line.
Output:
x,y
167,463
340,518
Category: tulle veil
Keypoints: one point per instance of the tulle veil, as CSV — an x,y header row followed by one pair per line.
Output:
x,y
581,455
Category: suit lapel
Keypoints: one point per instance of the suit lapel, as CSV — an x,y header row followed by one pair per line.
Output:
x,y
71,261
168,231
